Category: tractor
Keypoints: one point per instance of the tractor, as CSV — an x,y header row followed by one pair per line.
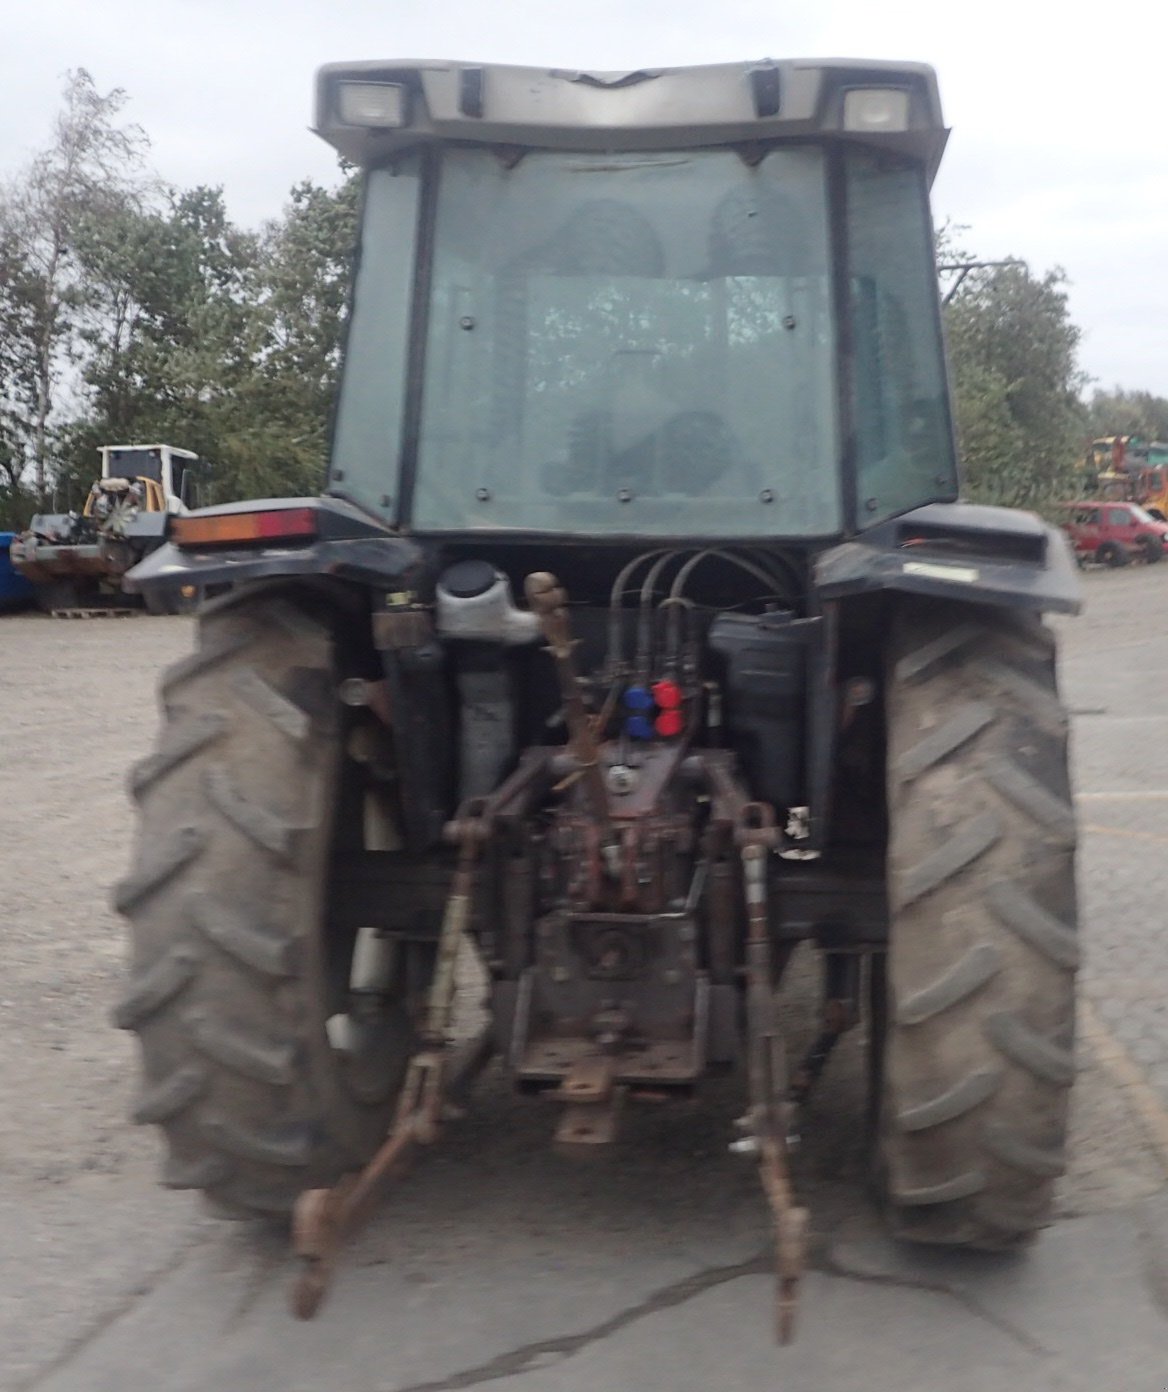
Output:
x,y
638,636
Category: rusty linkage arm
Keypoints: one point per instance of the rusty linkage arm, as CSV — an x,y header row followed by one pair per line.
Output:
x,y
756,835
751,827
322,1218
549,601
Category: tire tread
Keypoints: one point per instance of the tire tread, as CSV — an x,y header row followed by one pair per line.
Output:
x,y
979,1052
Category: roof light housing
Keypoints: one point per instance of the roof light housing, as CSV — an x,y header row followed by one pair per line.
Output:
x,y
377,105
713,104
876,110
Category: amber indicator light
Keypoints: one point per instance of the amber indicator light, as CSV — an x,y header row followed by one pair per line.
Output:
x,y
234,528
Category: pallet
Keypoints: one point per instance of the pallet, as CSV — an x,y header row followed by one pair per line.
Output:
x,y
97,612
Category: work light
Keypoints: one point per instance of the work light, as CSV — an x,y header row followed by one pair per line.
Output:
x,y
380,104
880,109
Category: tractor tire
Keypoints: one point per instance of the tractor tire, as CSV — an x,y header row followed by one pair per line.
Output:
x,y
1152,549
978,1057
234,970
1112,555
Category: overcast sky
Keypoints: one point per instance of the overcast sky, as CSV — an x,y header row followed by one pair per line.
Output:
x,y
1059,151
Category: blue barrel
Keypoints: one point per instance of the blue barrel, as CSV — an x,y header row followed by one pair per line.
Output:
x,y
15,590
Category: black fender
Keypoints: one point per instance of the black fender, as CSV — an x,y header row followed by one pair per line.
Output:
x,y
346,545
967,551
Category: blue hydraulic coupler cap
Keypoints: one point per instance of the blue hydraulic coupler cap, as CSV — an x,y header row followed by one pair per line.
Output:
x,y
639,698
639,727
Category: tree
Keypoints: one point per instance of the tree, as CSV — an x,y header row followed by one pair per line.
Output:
x,y
18,300
170,322
1015,377
306,265
92,168
272,402
1120,412
216,339
128,311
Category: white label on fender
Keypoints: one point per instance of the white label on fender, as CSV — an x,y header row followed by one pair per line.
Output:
x,y
965,574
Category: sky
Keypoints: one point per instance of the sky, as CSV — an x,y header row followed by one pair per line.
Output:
x,y
1059,151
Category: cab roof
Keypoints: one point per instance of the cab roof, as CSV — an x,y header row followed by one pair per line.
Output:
x,y
645,109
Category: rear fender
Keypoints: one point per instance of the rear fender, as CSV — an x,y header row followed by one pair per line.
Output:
x,y
347,545
983,555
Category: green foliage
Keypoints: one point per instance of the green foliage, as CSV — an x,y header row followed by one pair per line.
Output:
x,y
1119,412
18,317
92,168
1015,378
219,340
130,313
302,289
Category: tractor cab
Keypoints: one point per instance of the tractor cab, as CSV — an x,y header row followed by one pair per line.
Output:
x,y
667,303
166,476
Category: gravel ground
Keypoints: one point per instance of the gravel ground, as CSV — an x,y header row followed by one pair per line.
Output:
x,y
87,1229
78,1199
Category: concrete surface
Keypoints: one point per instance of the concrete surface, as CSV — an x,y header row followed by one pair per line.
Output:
x,y
1082,1311
497,1261
1115,677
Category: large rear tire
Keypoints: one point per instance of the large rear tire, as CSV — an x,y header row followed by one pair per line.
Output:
x,y
234,969
979,1056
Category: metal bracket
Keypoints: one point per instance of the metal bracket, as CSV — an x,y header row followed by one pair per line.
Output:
x,y
593,1102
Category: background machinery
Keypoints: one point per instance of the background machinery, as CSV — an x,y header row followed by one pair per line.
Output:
x,y
76,560
1127,469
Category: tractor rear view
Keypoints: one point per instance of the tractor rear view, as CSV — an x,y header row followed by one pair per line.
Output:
x,y
637,637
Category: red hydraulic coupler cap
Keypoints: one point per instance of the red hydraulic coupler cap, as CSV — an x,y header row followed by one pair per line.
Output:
x,y
669,723
667,694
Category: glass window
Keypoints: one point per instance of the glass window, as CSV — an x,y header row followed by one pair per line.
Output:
x,y
1118,517
136,463
904,448
630,344
367,440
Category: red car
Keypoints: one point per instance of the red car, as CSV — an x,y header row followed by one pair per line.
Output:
x,y
1114,533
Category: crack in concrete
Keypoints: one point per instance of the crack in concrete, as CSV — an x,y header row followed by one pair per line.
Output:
x,y
831,1266
544,1352
117,1312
